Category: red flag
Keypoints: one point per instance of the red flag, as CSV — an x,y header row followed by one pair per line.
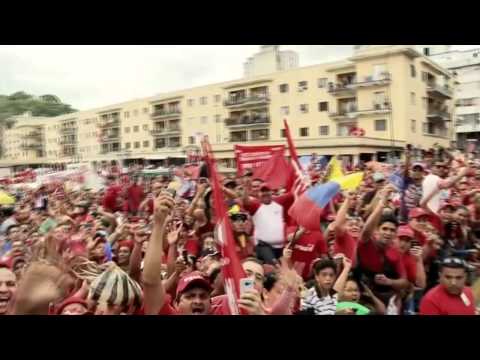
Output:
x,y
277,172
291,147
232,269
251,157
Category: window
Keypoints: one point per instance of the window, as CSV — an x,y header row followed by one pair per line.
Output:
x,y
283,133
283,88
413,71
128,145
285,110
203,100
413,125
160,143
324,130
190,102
145,127
412,98
126,114
191,140
303,131
203,120
136,128
380,125
426,51
145,110
218,119
424,102
304,108
217,98
424,76
302,86
322,82
146,144
127,130
135,112
137,144
323,106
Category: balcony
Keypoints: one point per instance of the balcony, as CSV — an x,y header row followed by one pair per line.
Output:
x,y
439,114
253,100
115,123
347,111
378,108
442,91
381,80
166,131
341,89
32,146
68,130
160,114
247,121
32,135
110,138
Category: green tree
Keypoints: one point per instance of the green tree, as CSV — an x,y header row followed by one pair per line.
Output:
x,y
21,102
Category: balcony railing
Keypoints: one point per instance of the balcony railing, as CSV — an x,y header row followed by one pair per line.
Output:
x,y
439,90
248,100
165,131
68,142
32,146
441,113
247,121
377,108
337,89
32,135
350,111
383,79
68,130
166,113
109,124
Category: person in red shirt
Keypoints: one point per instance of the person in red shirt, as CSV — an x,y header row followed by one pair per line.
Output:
x,y
451,296
306,246
379,260
412,256
112,195
135,196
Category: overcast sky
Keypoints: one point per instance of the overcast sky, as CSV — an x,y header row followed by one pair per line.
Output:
x,y
93,76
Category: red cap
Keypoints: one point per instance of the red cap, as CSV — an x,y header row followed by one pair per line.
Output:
x,y
265,187
190,279
71,300
417,212
405,230
126,243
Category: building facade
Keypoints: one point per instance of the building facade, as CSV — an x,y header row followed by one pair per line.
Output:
x,y
394,95
466,67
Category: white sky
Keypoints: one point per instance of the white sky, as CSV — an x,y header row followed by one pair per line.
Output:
x,y
89,76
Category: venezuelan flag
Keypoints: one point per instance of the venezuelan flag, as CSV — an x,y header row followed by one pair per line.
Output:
x,y
335,170
308,208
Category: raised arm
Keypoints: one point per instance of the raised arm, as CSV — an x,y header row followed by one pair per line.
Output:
x,y
154,291
445,185
375,216
201,188
342,278
341,217
134,268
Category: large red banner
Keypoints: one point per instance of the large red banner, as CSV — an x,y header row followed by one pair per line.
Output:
x,y
252,157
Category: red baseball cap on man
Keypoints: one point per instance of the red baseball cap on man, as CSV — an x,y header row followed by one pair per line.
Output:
x,y
416,213
405,231
194,278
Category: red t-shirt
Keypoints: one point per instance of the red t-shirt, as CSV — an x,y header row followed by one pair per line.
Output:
x,y
285,201
309,247
439,302
110,198
347,245
135,197
375,259
410,267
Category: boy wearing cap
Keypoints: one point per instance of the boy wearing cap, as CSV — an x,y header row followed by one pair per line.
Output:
x,y
451,296
412,256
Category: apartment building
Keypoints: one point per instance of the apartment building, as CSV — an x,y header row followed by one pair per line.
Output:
x,y
466,67
396,95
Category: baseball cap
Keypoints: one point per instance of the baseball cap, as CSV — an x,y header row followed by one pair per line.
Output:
x,y
265,188
417,212
191,279
418,164
238,216
406,231
228,182
378,176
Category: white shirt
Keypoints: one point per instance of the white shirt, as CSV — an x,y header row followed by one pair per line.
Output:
x,y
269,224
322,306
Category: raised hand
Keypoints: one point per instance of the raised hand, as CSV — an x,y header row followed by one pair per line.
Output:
x,y
163,206
251,302
174,234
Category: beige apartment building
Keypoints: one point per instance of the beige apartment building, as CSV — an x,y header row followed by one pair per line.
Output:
x,y
394,93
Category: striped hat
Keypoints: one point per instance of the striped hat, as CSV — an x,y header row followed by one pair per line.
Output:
x,y
115,287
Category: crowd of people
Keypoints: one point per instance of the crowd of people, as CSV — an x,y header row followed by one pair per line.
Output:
x,y
137,247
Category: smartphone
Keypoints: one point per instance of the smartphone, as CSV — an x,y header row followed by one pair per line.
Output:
x,y
172,192
246,285
185,257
